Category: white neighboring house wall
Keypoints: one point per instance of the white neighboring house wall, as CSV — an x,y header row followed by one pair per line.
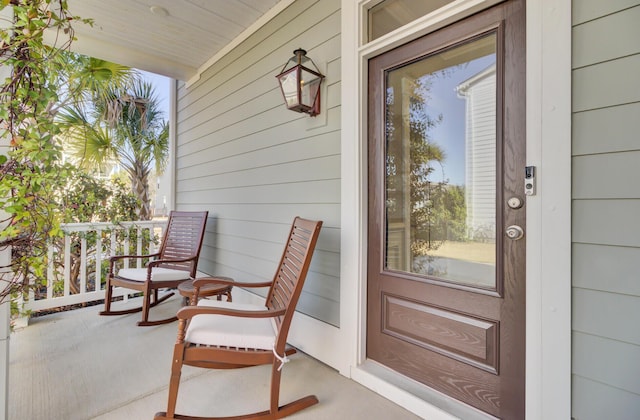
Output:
x,y
479,93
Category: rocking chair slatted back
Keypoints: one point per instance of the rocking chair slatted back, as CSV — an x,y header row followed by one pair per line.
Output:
x,y
183,239
229,335
175,263
293,268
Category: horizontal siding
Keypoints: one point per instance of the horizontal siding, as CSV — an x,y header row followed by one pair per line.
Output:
x,y
610,362
605,130
266,152
606,175
255,165
605,321
606,205
589,46
296,171
259,135
607,222
298,192
587,10
606,268
607,84
597,401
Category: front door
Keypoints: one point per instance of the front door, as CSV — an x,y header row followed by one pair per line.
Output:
x,y
446,274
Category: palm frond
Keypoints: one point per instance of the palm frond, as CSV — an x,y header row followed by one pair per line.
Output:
x,y
89,144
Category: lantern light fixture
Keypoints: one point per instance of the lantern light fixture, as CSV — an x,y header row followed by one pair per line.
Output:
x,y
300,84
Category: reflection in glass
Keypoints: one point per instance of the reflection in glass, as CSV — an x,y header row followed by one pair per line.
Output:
x,y
389,15
440,123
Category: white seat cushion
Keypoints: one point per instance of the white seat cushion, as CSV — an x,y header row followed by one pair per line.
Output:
x,y
157,274
231,331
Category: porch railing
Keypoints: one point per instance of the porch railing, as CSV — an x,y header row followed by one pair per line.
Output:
x,y
77,265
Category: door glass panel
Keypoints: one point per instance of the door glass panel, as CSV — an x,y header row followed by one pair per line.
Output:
x,y
389,15
440,181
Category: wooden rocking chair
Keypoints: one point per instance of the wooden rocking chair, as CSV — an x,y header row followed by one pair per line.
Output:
x,y
175,263
228,335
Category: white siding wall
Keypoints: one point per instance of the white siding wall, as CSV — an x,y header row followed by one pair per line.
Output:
x,y
255,165
480,165
606,209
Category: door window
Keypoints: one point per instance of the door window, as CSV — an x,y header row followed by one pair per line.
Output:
x,y
440,181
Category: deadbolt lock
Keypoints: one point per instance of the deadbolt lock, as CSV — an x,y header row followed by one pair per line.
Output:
x,y
514,232
514,202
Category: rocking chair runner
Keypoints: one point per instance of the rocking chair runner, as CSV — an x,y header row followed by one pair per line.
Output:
x,y
175,263
228,335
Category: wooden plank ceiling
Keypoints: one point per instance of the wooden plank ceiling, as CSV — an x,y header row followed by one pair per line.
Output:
x,y
175,38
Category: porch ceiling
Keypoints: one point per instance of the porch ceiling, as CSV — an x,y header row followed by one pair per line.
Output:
x,y
175,38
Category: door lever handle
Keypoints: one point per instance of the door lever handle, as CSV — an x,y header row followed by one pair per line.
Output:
x,y
514,232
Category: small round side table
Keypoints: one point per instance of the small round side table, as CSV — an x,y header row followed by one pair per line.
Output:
x,y
187,290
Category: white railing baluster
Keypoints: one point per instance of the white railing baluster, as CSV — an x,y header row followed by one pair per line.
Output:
x,y
126,247
152,244
31,293
113,243
60,263
139,247
83,265
98,275
67,266
50,275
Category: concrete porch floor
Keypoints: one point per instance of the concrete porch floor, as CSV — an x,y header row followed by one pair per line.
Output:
x,y
78,365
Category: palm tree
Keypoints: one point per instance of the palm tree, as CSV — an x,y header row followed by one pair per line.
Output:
x,y
142,141
124,127
83,81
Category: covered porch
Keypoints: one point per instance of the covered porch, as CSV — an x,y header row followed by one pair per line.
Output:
x,y
79,365
69,374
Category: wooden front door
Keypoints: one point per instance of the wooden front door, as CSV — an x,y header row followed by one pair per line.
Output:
x,y
446,260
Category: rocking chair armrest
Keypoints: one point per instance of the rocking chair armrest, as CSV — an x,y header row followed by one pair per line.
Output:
x,y
203,281
114,258
120,257
170,261
189,312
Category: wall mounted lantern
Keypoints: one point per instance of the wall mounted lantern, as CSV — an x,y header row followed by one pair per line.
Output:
x,y
300,84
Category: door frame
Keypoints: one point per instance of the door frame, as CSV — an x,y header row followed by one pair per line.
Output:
x,y
548,335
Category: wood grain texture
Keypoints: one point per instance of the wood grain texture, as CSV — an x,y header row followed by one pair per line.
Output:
x,y
425,339
454,334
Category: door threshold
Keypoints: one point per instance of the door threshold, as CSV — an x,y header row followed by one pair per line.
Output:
x,y
412,395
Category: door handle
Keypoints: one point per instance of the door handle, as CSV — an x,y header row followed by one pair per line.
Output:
x,y
514,232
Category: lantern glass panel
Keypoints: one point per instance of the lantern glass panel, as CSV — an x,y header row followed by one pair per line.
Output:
x,y
289,85
310,85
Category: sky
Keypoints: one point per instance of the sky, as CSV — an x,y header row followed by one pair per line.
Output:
x,y
161,86
450,134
